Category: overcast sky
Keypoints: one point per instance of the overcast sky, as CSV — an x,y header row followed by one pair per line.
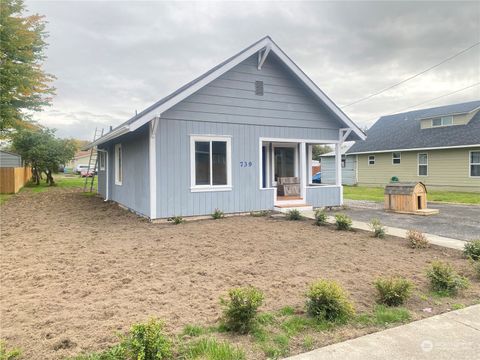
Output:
x,y
112,58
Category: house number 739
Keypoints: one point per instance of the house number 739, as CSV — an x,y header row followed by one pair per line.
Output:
x,y
246,164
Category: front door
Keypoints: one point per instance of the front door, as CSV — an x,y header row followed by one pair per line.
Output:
x,y
284,160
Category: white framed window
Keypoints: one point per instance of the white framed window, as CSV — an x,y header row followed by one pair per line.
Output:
x,y
344,161
101,160
118,164
371,159
422,161
474,164
210,163
396,158
442,121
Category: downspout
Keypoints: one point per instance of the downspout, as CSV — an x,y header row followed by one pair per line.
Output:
x,y
106,172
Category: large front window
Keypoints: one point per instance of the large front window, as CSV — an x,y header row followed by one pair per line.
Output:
x,y
475,163
210,163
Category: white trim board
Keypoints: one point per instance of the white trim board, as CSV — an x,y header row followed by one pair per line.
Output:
x,y
413,149
262,44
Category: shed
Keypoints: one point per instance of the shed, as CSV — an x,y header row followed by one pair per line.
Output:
x,y
9,159
407,197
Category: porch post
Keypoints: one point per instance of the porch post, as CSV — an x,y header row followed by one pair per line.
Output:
x,y
303,169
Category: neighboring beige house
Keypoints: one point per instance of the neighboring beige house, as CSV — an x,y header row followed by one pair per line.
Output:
x,y
82,158
438,146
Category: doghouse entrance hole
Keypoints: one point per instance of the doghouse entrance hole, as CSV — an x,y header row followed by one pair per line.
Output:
x,y
419,202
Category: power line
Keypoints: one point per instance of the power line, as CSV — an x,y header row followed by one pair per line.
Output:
x,y
438,97
413,76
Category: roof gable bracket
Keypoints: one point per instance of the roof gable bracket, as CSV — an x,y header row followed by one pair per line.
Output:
x,y
262,56
154,125
344,134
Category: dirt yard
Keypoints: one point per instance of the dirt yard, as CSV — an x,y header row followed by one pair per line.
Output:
x,y
76,270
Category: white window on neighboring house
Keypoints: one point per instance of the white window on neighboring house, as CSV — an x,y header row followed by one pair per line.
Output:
x,y
442,121
344,161
371,159
210,163
475,164
118,164
396,158
101,160
423,164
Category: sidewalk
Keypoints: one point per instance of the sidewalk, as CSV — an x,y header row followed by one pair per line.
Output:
x,y
453,335
434,239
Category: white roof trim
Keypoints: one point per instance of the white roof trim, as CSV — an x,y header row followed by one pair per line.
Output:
x,y
449,114
414,149
264,43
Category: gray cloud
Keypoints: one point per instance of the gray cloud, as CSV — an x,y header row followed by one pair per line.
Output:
x,y
112,58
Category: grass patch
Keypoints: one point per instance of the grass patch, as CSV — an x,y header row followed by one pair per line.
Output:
x,y
376,194
4,198
212,349
384,315
266,318
287,310
193,330
308,343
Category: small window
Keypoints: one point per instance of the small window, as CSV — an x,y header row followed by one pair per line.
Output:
x,y
396,158
344,161
210,163
259,88
371,160
118,164
475,163
101,160
442,121
422,164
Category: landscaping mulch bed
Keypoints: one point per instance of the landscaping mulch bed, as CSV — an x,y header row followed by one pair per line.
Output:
x,y
76,270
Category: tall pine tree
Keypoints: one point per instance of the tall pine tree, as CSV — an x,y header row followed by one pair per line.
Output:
x,y
24,85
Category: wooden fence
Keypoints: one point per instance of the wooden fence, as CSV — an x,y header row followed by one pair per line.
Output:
x,y
12,179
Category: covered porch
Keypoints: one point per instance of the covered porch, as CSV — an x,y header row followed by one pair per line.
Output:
x,y
286,171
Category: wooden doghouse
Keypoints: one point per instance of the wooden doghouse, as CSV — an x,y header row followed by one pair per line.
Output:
x,y
410,198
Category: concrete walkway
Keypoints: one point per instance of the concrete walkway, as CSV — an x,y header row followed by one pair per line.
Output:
x,y
434,239
453,335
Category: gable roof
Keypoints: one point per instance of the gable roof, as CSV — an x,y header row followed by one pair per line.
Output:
x,y
266,44
402,131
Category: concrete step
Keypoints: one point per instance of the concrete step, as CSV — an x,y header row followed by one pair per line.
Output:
x,y
300,207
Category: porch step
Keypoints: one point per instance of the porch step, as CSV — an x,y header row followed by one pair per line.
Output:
x,y
287,207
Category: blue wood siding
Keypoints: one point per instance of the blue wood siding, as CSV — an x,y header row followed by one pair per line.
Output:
x,y
348,172
319,196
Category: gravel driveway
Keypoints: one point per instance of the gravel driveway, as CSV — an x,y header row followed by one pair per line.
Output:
x,y
455,221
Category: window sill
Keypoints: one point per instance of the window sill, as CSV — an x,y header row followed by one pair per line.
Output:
x,y
210,188
118,183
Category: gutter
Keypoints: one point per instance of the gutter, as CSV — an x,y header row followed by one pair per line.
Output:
x,y
109,136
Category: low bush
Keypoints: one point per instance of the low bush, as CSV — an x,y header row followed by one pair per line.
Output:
x,y
320,217
294,214
218,214
177,220
444,279
147,341
259,213
393,291
326,300
343,222
240,308
472,250
417,239
377,227
8,354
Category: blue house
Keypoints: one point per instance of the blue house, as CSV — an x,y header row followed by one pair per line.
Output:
x,y
225,140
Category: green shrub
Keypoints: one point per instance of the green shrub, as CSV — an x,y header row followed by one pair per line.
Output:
x,y
240,308
444,279
8,354
177,220
218,214
377,228
294,214
343,222
472,250
212,349
417,239
393,291
147,342
326,300
476,268
320,217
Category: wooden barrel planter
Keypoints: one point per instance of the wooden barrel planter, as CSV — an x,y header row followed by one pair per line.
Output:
x,y
408,198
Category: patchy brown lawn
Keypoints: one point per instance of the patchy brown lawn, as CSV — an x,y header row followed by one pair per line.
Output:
x,y
75,270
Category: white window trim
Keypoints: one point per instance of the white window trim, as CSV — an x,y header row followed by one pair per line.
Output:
x,y
418,164
399,158
210,138
368,160
101,160
118,171
470,164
